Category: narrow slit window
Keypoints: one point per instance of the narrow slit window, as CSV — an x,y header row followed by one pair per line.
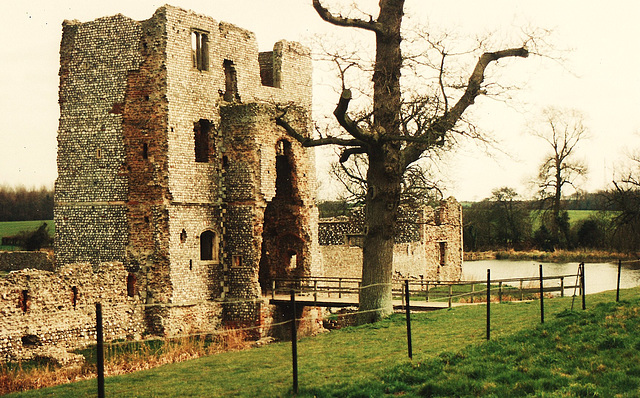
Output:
x,y
442,251
200,50
230,82
74,297
23,300
202,140
131,285
145,151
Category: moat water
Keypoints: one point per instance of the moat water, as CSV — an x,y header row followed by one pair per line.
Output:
x,y
599,277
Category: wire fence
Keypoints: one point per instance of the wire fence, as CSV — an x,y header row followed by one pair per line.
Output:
x,y
411,291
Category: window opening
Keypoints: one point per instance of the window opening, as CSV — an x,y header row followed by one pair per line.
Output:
x,y
442,246
230,82
200,50
98,153
265,59
145,151
131,285
208,246
74,298
183,236
236,261
22,300
293,260
202,133
284,170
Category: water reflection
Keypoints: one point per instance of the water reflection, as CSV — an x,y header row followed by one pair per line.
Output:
x,y
598,276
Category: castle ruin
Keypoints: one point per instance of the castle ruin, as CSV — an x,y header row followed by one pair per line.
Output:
x,y
170,162
178,198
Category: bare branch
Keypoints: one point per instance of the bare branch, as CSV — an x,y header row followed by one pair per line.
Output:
x,y
310,142
339,20
341,115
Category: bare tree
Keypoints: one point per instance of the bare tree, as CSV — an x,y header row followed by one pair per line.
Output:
x,y
400,129
624,200
562,131
418,188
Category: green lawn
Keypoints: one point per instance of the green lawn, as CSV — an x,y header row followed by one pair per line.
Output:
x,y
575,353
11,228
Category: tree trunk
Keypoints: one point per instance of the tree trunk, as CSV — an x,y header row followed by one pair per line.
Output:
x,y
381,207
385,172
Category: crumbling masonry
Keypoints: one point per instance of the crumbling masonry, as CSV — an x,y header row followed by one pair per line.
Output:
x,y
170,161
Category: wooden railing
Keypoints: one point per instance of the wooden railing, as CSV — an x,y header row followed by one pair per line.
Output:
x,y
429,290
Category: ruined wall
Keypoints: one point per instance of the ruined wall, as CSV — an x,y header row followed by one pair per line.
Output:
x,y
17,260
428,245
41,311
91,188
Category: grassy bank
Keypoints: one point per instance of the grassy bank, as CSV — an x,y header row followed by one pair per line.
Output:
x,y
558,256
574,353
11,228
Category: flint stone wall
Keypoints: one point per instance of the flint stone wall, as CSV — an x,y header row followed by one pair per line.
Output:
x,y
428,244
41,310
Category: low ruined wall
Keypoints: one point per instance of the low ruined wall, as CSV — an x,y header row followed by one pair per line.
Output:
x,y
408,261
17,260
41,310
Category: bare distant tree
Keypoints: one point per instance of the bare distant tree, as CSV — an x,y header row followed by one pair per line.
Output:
x,y
562,130
402,126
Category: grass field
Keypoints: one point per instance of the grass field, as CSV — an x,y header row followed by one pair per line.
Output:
x,y
574,353
11,228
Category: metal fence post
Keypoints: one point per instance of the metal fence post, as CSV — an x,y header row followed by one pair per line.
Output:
x,y
488,304
100,350
582,283
294,342
618,286
541,296
408,313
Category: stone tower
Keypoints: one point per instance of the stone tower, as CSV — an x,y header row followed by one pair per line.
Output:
x,y
170,161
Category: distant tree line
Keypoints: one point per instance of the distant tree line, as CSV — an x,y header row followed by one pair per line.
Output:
x,y
505,222
23,204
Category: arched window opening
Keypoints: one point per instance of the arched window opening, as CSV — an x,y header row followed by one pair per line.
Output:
x,y
209,246
183,236
131,284
74,296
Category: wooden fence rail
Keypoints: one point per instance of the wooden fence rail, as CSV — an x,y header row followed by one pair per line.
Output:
x,y
421,289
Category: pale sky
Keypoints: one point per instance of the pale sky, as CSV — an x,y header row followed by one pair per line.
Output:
x,y
600,77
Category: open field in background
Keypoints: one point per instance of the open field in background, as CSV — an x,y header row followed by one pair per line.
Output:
x,y
574,353
575,216
11,228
